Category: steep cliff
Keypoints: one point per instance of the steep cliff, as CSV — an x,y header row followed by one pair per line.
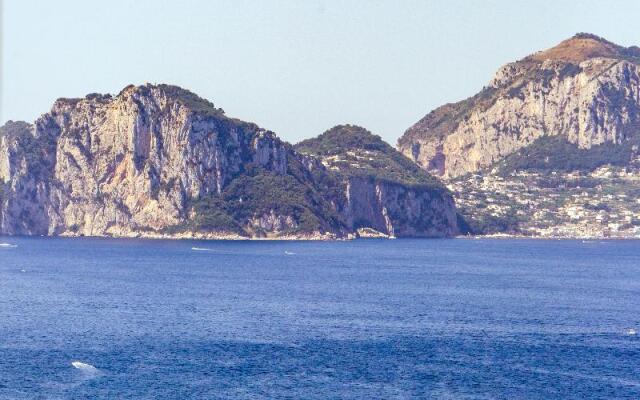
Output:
x,y
157,160
586,91
148,161
383,189
26,160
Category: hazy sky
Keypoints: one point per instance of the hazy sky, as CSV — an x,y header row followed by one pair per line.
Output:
x,y
295,67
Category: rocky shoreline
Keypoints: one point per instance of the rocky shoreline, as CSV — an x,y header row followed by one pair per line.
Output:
x,y
320,237
508,236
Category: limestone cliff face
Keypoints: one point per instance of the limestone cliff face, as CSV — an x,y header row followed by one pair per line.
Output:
x,y
398,210
158,160
126,164
585,89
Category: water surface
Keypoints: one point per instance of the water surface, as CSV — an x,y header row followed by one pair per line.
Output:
x,y
368,319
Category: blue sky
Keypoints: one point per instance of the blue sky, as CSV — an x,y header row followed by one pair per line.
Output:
x,y
295,67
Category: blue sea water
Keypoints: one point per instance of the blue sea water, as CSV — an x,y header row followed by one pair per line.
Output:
x,y
367,319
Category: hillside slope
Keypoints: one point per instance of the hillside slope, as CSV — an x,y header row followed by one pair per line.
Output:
x,y
385,191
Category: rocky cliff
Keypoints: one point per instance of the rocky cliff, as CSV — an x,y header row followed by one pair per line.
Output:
x,y
157,160
586,91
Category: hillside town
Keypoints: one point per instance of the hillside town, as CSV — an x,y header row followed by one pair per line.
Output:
x,y
604,203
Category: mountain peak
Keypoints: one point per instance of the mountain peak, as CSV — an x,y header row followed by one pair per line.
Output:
x,y
584,90
341,138
355,151
584,46
171,93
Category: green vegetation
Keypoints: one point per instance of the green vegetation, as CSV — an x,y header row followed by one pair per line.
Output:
x,y
556,153
342,138
210,214
479,219
486,224
445,119
191,100
310,195
259,192
597,207
355,151
187,98
15,130
35,150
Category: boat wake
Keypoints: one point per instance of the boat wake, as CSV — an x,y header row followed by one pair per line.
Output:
x,y
289,253
8,245
201,249
87,369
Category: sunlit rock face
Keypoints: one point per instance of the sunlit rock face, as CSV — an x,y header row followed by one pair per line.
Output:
x,y
585,89
117,165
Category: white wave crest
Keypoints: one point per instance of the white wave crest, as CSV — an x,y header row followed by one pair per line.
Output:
x,y
8,245
201,249
84,367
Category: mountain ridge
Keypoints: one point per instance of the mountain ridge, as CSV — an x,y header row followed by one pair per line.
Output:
x,y
583,46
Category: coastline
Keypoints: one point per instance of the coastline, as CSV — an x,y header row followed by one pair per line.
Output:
x,y
511,236
363,233
209,236
319,237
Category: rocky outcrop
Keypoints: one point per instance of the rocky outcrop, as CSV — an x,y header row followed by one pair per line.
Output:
x,y
586,90
157,160
27,159
125,164
398,210
384,190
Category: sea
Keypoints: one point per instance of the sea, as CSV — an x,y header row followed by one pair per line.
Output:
x,y
90,318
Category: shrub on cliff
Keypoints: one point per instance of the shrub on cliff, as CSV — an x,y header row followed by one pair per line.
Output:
x,y
556,153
